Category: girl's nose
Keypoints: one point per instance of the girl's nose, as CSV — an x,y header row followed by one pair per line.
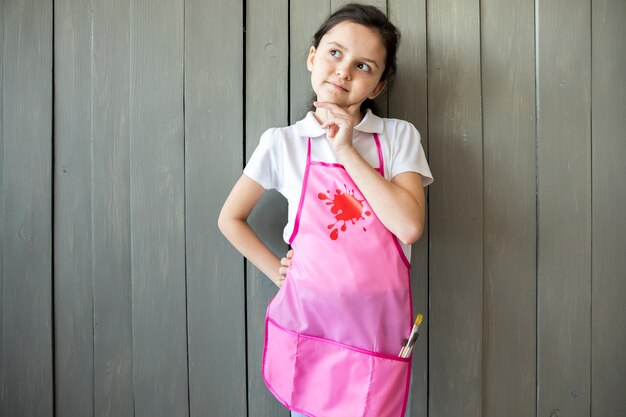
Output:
x,y
342,72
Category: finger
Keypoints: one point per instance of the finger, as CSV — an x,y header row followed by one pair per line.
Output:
x,y
285,261
289,254
332,131
336,120
283,270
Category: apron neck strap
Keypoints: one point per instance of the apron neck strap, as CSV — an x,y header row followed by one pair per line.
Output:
x,y
381,164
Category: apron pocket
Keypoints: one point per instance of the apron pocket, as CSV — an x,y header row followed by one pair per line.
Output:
x,y
279,360
324,378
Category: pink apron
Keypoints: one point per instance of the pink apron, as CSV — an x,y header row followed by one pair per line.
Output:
x,y
334,330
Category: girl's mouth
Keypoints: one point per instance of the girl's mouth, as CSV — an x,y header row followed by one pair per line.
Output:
x,y
337,86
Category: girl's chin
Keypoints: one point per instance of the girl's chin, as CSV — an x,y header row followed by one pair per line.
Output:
x,y
332,100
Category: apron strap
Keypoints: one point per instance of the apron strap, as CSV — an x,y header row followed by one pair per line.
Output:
x,y
379,150
381,164
305,181
308,152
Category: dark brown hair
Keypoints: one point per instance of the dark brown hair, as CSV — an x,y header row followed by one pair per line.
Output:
x,y
372,18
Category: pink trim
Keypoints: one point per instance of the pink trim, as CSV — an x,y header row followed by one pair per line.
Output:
x,y
401,252
408,374
353,348
267,383
269,386
296,225
407,386
408,278
381,163
297,410
328,164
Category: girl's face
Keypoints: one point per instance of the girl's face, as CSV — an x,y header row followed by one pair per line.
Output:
x,y
347,65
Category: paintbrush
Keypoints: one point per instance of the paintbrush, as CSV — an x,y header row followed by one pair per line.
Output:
x,y
406,347
404,343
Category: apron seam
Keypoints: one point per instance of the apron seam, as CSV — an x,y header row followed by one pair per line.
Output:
x,y
369,388
295,369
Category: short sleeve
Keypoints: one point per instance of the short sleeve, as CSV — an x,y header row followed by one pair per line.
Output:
x,y
265,163
407,153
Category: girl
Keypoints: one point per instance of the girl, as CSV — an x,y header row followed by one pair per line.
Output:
x,y
354,183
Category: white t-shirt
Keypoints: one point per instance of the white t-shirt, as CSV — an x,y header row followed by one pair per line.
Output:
x,y
279,160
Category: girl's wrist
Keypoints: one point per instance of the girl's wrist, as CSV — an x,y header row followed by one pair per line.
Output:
x,y
345,152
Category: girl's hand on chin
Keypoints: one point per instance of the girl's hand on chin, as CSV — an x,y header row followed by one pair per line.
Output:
x,y
339,123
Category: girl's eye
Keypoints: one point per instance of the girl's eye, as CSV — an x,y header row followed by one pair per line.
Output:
x,y
335,53
363,67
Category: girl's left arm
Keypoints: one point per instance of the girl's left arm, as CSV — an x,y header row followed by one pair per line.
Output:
x,y
399,204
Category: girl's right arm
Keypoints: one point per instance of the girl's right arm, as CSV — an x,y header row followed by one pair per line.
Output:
x,y
233,223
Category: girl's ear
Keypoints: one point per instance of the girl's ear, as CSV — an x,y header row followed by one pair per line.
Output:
x,y
379,89
309,60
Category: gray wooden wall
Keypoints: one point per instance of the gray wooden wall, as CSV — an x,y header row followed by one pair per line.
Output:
x,y
125,123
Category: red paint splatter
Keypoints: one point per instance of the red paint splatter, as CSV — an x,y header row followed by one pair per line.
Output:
x,y
346,208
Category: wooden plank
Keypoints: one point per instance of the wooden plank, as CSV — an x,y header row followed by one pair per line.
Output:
x,y
408,101
267,55
157,209
456,209
608,341
2,219
306,17
508,90
73,257
111,118
26,365
564,215
2,209
214,157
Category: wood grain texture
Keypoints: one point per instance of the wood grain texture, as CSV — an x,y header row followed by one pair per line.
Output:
x,y
456,209
214,158
408,100
564,216
112,92
157,209
2,209
73,280
26,364
305,18
267,57
608,89
508,90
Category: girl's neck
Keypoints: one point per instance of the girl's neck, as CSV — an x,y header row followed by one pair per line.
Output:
x,y
321,115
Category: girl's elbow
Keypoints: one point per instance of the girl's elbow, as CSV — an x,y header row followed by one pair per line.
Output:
x,y
223,222
227,223
411,234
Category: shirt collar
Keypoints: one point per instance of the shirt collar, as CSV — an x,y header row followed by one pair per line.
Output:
x,y
310,127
